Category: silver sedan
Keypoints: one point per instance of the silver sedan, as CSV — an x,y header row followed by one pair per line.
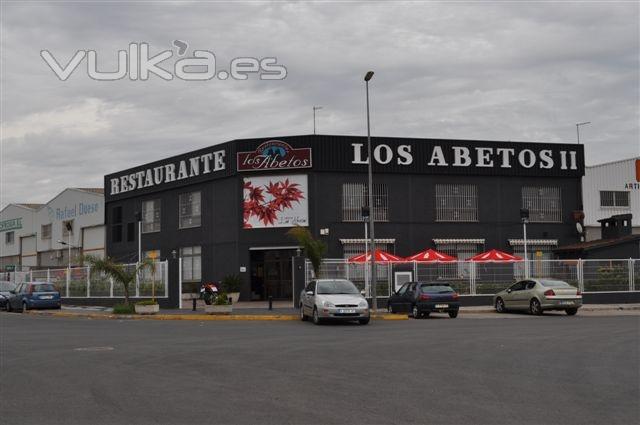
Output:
x,y
333,299
538,295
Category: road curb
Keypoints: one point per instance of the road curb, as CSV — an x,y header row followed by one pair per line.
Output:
x,y
198,317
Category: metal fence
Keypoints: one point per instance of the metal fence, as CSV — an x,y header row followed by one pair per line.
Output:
x,y
471,278
81,282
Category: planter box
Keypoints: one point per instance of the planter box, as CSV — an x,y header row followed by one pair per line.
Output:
x,y
218,309
147,309
235,296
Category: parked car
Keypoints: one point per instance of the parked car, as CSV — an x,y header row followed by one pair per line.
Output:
x,y
421,299
5,292
538,295
333,299
33,295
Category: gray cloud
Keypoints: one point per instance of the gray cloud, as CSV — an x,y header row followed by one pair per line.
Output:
x,y
503,71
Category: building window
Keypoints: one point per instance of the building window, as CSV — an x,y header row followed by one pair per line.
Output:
x,y
190,214
538,250
355,196
456,202
610,198
45,231
544,204
9,238
462,249
116,224
67,228
151,216
191,263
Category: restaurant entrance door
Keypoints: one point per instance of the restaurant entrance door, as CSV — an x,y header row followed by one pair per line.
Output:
x,y
271,274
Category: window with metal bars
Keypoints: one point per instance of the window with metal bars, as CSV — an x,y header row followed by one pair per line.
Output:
x,y
355,196
544,203
611,198
462,251
151,216
190,213
456,202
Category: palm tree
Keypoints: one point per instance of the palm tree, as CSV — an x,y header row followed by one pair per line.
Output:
x,y
314,249
119,272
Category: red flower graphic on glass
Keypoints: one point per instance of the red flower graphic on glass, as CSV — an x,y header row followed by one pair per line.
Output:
x,y
266,202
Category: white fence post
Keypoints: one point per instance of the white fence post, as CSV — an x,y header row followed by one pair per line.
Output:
x,y
68,279
472,278
111,287
88,281
48,275
630,262
30,275
580,273
180,282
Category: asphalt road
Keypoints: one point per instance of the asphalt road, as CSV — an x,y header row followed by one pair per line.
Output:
x,y
536,370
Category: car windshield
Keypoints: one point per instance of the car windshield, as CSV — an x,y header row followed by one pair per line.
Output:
x,y
555,284
7,286
435,289
336,287
44,287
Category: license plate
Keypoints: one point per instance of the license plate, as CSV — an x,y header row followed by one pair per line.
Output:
x,y
442,305
46,297
346,310
566,302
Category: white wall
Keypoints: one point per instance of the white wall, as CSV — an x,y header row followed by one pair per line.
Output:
x,y
611,176
93,241
26,217
86,209
29,255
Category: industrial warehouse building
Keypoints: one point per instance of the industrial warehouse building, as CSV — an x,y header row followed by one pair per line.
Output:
x,y
226,209
34,236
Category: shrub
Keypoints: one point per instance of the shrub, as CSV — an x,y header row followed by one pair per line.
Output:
x,y
124,309
231,283
222,299
147,302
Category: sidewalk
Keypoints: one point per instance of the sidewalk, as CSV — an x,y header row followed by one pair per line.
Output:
x,y
249,311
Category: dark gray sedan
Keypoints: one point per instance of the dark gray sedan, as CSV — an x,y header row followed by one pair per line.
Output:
x,y
5,292
538,295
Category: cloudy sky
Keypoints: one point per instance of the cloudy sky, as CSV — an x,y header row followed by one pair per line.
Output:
x,y
523,71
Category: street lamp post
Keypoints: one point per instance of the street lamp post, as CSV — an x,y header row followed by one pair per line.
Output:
x,y
372,217
524,216
578,125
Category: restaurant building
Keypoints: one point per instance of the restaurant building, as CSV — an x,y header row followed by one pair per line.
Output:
x,y
226,209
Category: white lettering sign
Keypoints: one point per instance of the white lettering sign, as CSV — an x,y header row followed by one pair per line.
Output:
x,y
167,173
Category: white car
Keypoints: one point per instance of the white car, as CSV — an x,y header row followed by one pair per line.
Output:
x,y
333,299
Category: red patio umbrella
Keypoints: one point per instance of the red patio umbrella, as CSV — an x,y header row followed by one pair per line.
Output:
x,y
431,256
380,257
495,256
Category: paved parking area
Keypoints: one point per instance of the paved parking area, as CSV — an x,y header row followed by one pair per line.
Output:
x,y
552,369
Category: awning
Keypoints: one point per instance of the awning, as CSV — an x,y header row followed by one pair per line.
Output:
x,y
363,240
494,256
546,242
380,257
443,241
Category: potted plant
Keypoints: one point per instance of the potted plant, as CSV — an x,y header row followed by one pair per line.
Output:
x,y
147,307
231,284
220,306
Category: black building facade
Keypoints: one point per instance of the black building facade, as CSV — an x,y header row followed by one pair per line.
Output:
x,y
226,209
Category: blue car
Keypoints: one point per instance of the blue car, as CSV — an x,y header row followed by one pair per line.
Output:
x,y
34,295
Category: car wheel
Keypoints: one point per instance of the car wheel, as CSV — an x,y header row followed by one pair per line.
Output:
x,y
316,317
8,306
535,308
25,306
416,313
571,311
303,316
500,306
364,321
453,314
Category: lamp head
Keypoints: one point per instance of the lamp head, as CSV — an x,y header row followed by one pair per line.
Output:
x,y
368,76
